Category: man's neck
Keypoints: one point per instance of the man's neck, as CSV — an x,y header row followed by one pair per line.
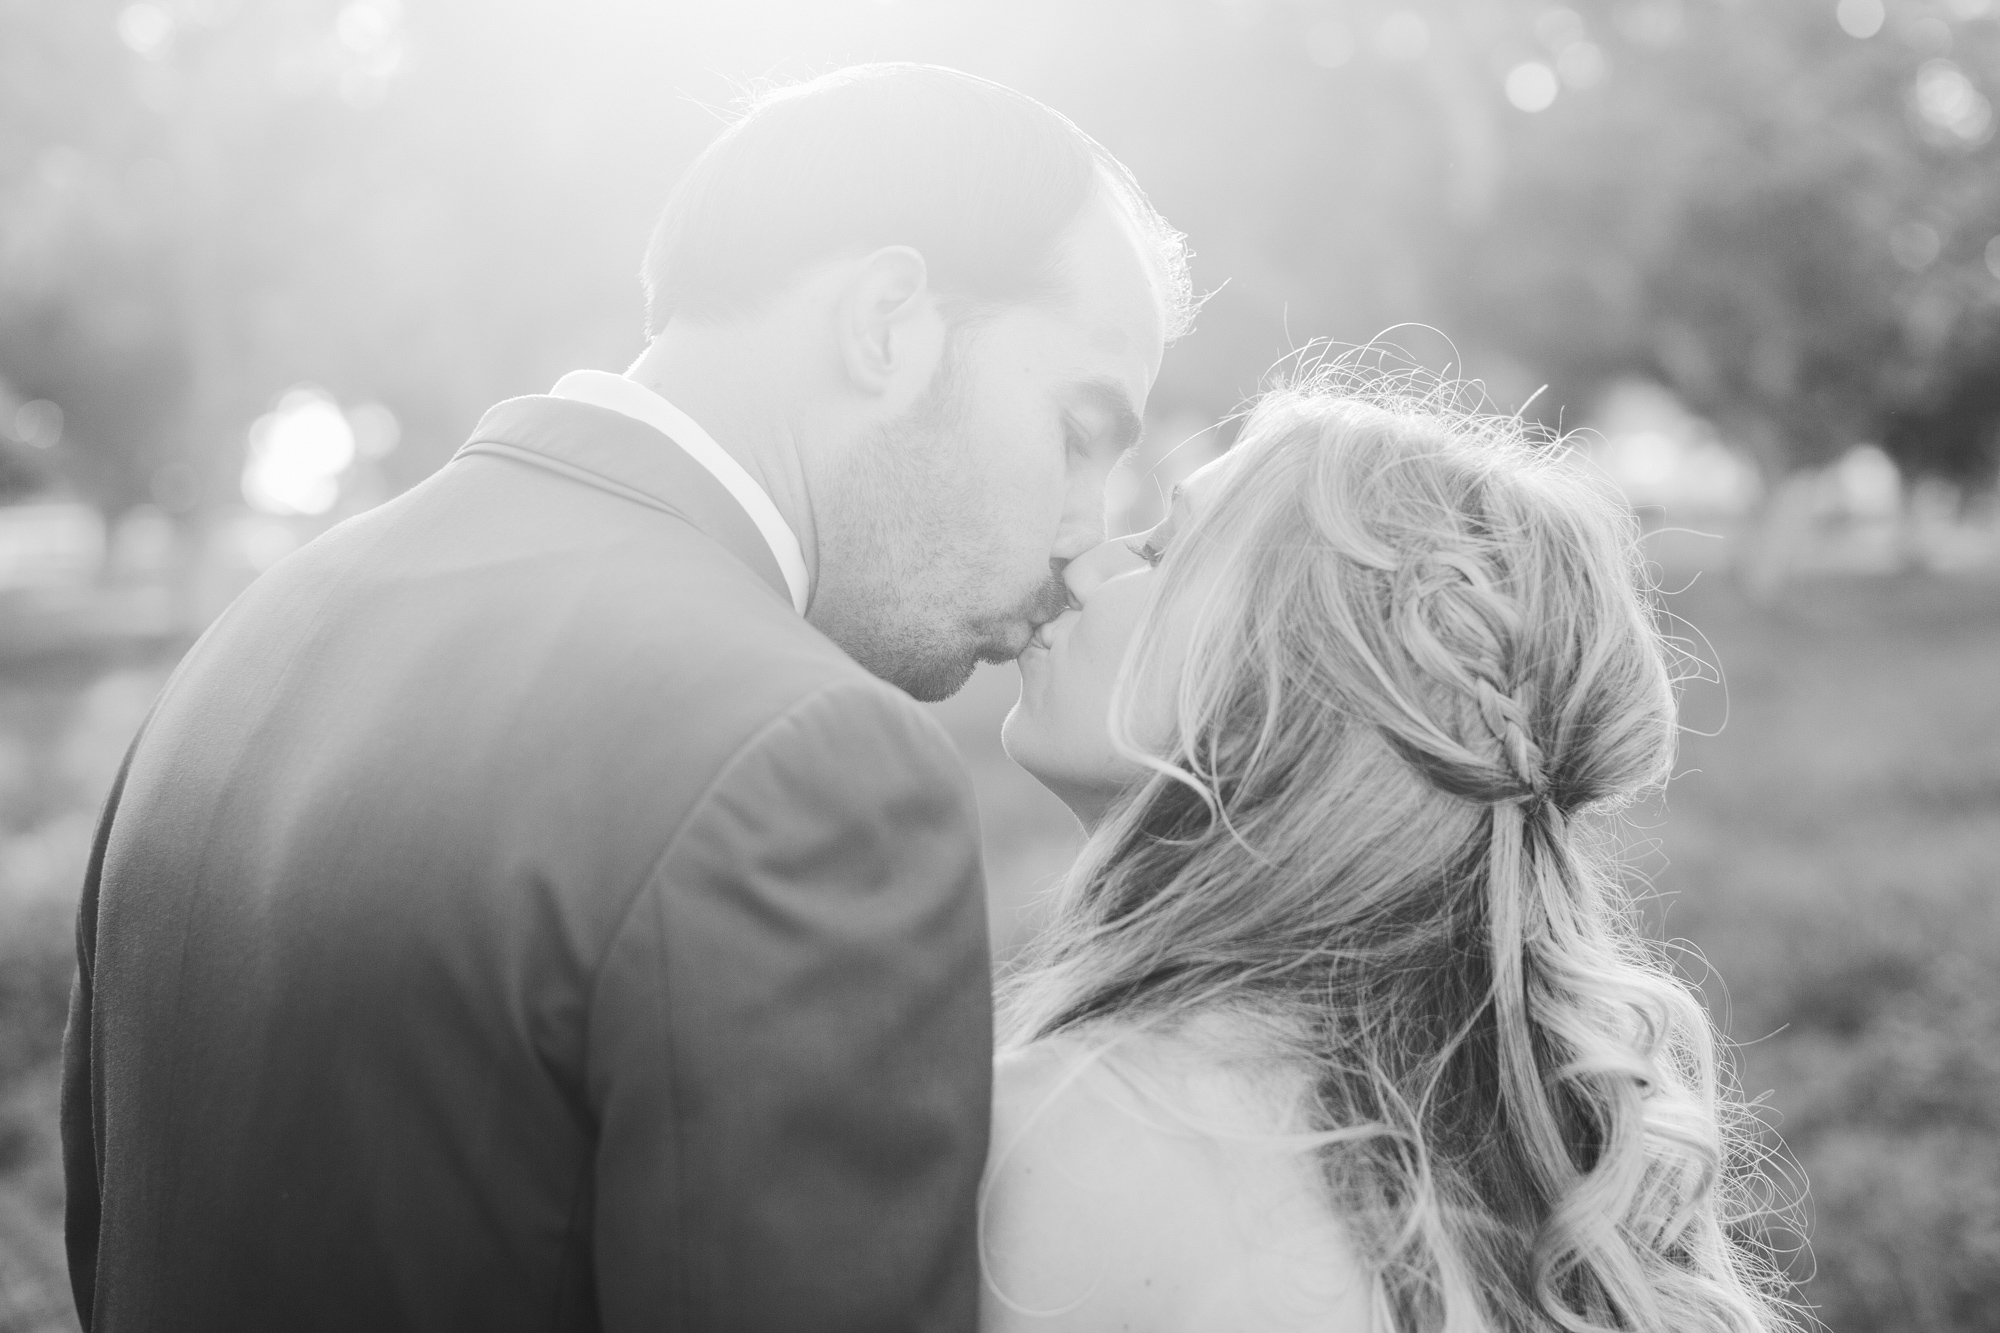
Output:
x,y
724,382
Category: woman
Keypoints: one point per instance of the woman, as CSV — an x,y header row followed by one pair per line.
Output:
x,y
1340,1021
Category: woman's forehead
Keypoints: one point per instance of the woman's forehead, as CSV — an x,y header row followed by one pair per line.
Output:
x,y
1202,483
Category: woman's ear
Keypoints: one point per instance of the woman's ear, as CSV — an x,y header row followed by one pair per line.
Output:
x,y
890,331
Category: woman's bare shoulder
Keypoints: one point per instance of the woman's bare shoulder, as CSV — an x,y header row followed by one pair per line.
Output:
x,y
1137,1182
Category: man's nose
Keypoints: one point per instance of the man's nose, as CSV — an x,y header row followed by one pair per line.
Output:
x,y
1106,560
1079,535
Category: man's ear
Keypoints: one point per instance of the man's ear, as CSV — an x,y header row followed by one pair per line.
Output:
x,y
890,331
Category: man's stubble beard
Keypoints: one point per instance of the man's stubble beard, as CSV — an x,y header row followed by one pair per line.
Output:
x,y
902,564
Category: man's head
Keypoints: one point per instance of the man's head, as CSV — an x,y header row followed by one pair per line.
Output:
x,y
969,299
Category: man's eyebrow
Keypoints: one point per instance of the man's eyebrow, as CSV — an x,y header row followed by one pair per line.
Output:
x,y
1109,397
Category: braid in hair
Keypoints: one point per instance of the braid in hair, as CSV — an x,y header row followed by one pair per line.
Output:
x,y
1463,634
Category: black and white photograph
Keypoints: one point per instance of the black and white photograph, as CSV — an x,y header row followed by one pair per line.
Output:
x,y
999,666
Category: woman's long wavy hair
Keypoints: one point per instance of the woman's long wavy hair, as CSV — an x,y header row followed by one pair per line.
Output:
x,y
1417,667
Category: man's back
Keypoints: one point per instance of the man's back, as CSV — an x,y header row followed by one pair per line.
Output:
x,y
515,916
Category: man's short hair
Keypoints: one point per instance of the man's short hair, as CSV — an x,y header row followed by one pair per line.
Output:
x,y
981,180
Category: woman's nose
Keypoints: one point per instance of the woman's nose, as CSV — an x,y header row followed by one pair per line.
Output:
x,y
1106,560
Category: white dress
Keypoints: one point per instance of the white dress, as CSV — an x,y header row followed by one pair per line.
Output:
x,y
1159,1183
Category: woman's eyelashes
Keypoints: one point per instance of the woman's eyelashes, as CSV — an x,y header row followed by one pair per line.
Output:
x,y
1151,545
1148,547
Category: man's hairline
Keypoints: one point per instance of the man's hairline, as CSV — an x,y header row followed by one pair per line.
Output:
x,y
968,313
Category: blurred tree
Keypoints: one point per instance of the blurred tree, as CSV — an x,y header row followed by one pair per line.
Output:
x,y
1783,221
1943,415
88,309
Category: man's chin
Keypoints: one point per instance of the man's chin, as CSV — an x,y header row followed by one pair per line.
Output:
x,y
929,668
1001,649
940,677
1000,655
934,681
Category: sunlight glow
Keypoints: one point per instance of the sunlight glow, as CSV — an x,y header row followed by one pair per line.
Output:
x,y
371,32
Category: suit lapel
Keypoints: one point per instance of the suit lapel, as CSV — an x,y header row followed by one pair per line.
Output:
x,y
627,458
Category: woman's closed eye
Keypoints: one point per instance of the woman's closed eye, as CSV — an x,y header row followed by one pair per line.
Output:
x,y
1148,548
1151,545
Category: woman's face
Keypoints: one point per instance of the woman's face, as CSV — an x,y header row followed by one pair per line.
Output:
x,y
1060,729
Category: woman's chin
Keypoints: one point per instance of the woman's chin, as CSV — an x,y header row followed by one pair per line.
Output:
x,y
1089,802
1088,795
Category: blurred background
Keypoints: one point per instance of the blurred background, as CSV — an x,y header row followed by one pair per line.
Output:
x,y
264,264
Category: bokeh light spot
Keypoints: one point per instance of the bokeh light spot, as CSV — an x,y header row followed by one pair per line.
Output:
x,y
1582,65
146,29
1914,245
1650,23
1559,29
1860,18
1946,99
362,26
297,453
1402,36
39,424
61,167
376,430
208,13
1532,86
1330,44
1868,482
1928,34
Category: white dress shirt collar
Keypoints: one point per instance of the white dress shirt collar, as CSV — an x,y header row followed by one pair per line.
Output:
x,y
601,388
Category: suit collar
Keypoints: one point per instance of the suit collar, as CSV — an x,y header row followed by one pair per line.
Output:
x,y
623,456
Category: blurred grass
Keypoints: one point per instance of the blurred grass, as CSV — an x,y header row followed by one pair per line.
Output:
x,y
66,715
1833,854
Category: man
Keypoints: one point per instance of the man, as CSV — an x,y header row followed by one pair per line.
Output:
x,y
523,910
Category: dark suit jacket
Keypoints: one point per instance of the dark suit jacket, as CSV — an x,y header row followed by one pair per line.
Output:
x,y
515,916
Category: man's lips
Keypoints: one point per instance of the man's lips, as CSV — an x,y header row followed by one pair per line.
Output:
x,y
1042,638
